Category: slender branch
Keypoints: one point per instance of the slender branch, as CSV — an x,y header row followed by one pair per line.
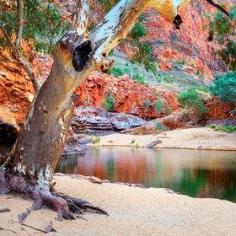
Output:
x,y
20,8
20,58
218,7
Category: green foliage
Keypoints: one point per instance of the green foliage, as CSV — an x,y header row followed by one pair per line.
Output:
x,y
42,23
224,86
144,53
169,110
147,103
224,128
138,30
109,102
191,99
159,106
139,79
118,71
224,28
160,127
144,56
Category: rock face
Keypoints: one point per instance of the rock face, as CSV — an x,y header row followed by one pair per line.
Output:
x,y
218,110
91,119
129,96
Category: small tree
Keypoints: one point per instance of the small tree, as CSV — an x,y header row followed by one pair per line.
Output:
x,y
224,87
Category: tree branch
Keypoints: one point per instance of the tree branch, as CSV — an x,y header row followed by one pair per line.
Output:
x,y
17,46
218,7
20,8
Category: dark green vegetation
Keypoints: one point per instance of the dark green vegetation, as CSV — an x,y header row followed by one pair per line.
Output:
x,y
191,99
224,128
42,24
109,102
224,87
144,50
191,172
224,29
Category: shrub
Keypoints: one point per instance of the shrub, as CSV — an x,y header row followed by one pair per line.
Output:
x,y
224,29
191,99
159,106
138,30
109,103
117,71
161,127
224,87
144,56
224,128
147,103
139,79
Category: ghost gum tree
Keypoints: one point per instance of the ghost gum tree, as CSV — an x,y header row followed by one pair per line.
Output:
x,y
34,157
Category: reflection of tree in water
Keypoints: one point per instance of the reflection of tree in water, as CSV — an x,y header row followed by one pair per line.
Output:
x,y
213,183
110,169
191,182
67,164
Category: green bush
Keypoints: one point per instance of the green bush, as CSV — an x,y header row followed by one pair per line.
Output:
x,y
161,127
147,103
224,87
109,103
138,30
144,56
224,128
191,99
139,79
224,31
117,71
159,106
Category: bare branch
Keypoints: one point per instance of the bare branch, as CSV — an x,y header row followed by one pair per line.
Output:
x,y
22,60
20,8
218,7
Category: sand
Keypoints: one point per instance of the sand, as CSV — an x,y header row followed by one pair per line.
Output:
x,y
194,138
133,211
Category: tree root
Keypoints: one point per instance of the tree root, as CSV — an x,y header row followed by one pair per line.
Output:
x,y
67,207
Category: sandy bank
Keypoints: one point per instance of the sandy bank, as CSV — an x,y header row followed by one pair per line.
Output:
x,y
133,211
194,138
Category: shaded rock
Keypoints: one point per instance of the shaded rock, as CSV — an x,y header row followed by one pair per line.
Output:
x,y
76,144
96,119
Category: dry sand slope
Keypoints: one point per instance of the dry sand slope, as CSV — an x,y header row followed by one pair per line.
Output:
x,y
133,211
193,138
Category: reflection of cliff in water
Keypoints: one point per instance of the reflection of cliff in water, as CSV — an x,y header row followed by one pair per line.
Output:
x,y
191,172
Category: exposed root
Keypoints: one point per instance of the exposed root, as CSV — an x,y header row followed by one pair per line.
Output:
x,y
67,207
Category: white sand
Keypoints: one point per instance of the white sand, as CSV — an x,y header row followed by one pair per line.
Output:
x,y
194,138
133,211
198,138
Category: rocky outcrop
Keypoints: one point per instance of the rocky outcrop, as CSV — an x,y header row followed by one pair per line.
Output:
x,y
218,110
175,120
92,120
129,96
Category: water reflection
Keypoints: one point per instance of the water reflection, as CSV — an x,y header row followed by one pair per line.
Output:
x,y
191,172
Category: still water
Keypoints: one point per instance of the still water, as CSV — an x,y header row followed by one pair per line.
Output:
x,y
191,172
